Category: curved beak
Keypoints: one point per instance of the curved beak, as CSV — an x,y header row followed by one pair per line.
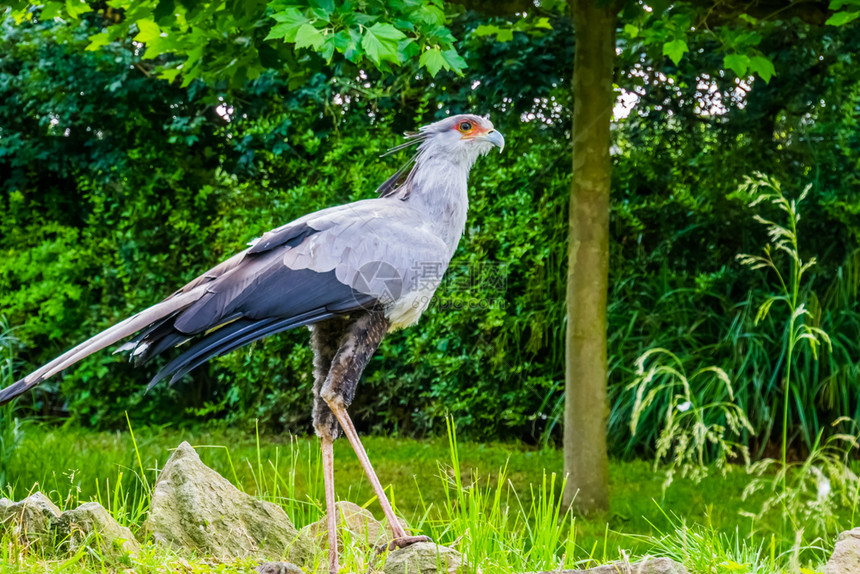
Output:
x,y
495,138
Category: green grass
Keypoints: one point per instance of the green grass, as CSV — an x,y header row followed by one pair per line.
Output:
x,y
499,502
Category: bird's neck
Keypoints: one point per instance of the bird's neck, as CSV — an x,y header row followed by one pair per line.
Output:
x,y
438,188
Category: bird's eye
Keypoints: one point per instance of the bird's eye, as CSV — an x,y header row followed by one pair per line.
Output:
x,y
465,127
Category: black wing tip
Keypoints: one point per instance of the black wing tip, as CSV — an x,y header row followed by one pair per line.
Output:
x,y
235,335
16,389
162,375
155,380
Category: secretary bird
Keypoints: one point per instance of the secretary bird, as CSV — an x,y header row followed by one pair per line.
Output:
x,y
352,273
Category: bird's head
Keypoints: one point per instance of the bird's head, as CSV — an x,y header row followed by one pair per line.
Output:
x,y
464,135
461,139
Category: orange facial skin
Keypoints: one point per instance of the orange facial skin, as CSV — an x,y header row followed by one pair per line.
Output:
x,y
470,129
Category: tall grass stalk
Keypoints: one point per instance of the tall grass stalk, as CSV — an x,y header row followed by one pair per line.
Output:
x,y
784,238
142,475
817,486
694,436
488,521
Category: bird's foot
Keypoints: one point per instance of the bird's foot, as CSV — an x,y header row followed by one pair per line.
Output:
x,y
278,568
402,542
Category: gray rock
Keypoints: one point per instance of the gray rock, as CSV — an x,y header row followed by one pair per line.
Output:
x,y
647,566
423,558
194,509
30,519
363,528
75,526
37,519
846,554
279,568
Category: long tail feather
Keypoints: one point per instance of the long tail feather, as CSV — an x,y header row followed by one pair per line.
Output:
x,y
107,337
160,326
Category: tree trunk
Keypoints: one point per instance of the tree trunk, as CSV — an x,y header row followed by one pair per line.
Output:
x,y
585,458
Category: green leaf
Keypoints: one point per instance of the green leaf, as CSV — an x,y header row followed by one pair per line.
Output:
x,y
189,76
324,5
631,30
157,46
763,67
50,10
738,63
194,56
402,24
346,42
837,4
543,23
316,13
327,50
169,75
502,34
308,36
290,16
505,35
360,18
289,23
408,49
76,8
842,18
148,31
380,42
455,62
675,50
486,30
97,41
278,31
432,60
430,15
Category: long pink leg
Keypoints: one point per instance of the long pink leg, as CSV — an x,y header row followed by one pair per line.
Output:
x,y
400,537
327,448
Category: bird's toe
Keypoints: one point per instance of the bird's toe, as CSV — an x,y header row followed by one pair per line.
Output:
x,y
405,541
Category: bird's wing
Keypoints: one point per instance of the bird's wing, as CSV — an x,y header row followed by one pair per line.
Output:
x,y
369,244
298,274
346,241
351,257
